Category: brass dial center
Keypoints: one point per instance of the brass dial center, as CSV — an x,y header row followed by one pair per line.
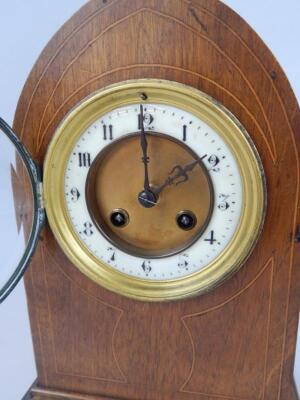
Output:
x,y
115,182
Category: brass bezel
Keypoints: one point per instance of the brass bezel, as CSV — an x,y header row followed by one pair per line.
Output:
x,y
211,112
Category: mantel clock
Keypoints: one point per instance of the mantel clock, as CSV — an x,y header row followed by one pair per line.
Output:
x,y
161,208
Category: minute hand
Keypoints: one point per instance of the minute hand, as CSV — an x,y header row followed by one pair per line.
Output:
x,y
144,146
181,172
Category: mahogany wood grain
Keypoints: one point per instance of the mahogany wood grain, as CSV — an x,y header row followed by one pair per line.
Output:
x,y
235,343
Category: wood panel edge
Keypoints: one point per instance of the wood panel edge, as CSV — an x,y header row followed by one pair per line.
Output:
x,y
38,393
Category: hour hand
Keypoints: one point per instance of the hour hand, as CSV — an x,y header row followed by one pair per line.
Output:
x,y
178,172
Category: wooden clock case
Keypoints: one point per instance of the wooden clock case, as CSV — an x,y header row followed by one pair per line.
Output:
x,y
234,343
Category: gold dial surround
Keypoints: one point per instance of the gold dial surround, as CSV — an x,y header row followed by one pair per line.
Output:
x,y
208,110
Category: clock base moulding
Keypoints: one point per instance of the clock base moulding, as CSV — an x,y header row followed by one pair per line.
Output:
x,y
36,393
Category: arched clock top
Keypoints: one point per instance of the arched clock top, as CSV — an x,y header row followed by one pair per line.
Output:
x,y
207,47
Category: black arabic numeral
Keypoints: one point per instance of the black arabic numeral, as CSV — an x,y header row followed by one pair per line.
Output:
x,y
75,194
214,161
112,255
88,229
183,262
224,205
147,267
148,119
212,239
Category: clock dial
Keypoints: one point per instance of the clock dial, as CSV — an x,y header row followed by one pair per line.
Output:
x,y
155,191
105,174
